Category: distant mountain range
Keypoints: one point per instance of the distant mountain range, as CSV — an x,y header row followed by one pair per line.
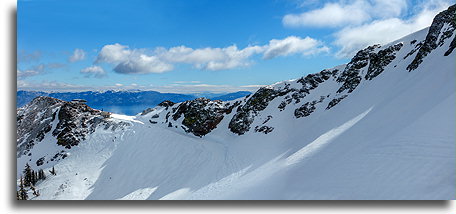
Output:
x,y
123,98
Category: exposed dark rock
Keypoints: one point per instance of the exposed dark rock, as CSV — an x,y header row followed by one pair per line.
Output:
x,y
308,108
451,48
166,103
34,121
147,111
264,129
351,76
240,123
201,115
417,47
284,104
378,61
40,161
267,119
335,101
76,121
436,36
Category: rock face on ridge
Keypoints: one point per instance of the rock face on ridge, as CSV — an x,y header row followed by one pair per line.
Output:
x,y
68,122
442,28
201,115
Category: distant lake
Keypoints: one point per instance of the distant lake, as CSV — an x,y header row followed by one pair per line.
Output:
x,y
127,110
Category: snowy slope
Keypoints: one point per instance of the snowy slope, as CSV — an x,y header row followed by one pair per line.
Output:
x,y
371,129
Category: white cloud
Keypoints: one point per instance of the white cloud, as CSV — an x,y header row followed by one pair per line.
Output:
x,y
113,53
388,8
293,45
252,86
131,61
210,58
341,13
37,70
186,82
26,73
142,64
95,70
361,23
78,55
48,86
331,15
159,60
352,38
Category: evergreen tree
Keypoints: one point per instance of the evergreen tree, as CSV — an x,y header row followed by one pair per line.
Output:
x,y
32,178
53,171
41,175
28,175
22,192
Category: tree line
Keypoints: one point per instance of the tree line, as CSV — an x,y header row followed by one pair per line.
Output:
x,y
30,178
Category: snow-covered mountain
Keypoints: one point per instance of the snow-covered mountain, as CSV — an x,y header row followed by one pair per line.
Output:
x,y
380,127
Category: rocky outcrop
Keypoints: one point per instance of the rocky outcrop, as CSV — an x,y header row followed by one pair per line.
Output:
x,y
201,116
442,28
378,61
351,76
166,103
76,121
34,120
451,48
335,101
245,114
307,108
241,121
68,123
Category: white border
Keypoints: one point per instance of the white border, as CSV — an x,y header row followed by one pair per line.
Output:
x,y
8,204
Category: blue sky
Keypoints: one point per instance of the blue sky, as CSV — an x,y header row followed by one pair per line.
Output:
x,y
194,46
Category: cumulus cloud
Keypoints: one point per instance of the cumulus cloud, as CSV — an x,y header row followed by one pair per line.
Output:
x,y
360,23
78,55
331,15
352,38
210,58
143,64
113,53
129,61
293,45
342,13
159,60
95,70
